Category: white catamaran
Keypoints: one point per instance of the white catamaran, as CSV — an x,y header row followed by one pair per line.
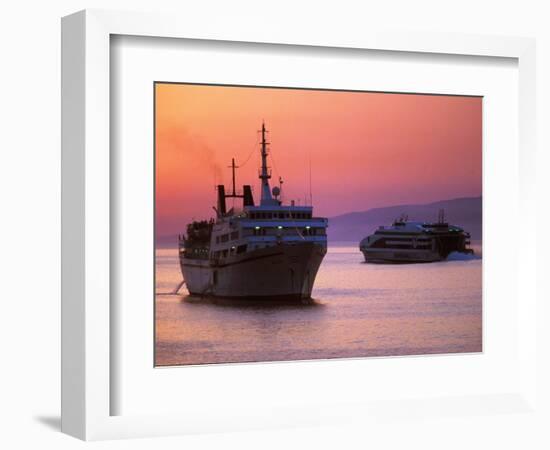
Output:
x,y
415,242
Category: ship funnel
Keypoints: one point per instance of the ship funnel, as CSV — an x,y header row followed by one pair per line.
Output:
x,y
221,200
248,200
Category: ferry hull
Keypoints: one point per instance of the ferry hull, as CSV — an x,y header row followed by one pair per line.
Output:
x,y
399,256
284,271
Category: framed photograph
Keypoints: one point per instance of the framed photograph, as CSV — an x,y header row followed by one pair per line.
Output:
x,y
316,214
371,267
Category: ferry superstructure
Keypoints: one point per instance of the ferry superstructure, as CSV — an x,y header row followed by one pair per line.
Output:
x,y
270,250
414,242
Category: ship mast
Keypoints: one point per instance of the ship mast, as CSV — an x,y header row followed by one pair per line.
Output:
x,y
233,167
265,175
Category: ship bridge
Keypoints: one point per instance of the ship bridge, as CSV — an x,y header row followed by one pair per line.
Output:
x,y
279,212
280,221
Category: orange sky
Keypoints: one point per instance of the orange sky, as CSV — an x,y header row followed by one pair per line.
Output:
x,y
366,149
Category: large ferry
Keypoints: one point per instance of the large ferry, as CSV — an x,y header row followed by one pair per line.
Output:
x,y
414,242
270,250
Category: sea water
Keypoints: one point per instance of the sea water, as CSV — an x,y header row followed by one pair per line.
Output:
x,y
359,310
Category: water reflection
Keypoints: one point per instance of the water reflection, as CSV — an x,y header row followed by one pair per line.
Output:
x,y
253,303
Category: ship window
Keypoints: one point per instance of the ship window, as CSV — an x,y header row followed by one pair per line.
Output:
x,y
215,277
234,235
217,239
241,249
281,215
225,253
381,243
225,238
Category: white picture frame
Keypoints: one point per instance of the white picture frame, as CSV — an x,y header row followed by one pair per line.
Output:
x,y
86,247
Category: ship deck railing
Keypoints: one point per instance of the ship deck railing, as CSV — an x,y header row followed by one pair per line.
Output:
x,y
292,238
273,223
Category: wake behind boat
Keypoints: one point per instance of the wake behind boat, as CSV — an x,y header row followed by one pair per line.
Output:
x,y
268,250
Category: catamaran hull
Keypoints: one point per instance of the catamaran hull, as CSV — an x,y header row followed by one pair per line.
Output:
x,y
283,271
400,256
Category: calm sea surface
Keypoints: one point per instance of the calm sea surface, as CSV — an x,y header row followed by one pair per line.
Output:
x,y
359,310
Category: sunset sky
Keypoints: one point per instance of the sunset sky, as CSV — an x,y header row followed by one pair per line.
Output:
x,y
366,149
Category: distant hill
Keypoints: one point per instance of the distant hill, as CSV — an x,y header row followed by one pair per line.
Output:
x,y
463,212
354,226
